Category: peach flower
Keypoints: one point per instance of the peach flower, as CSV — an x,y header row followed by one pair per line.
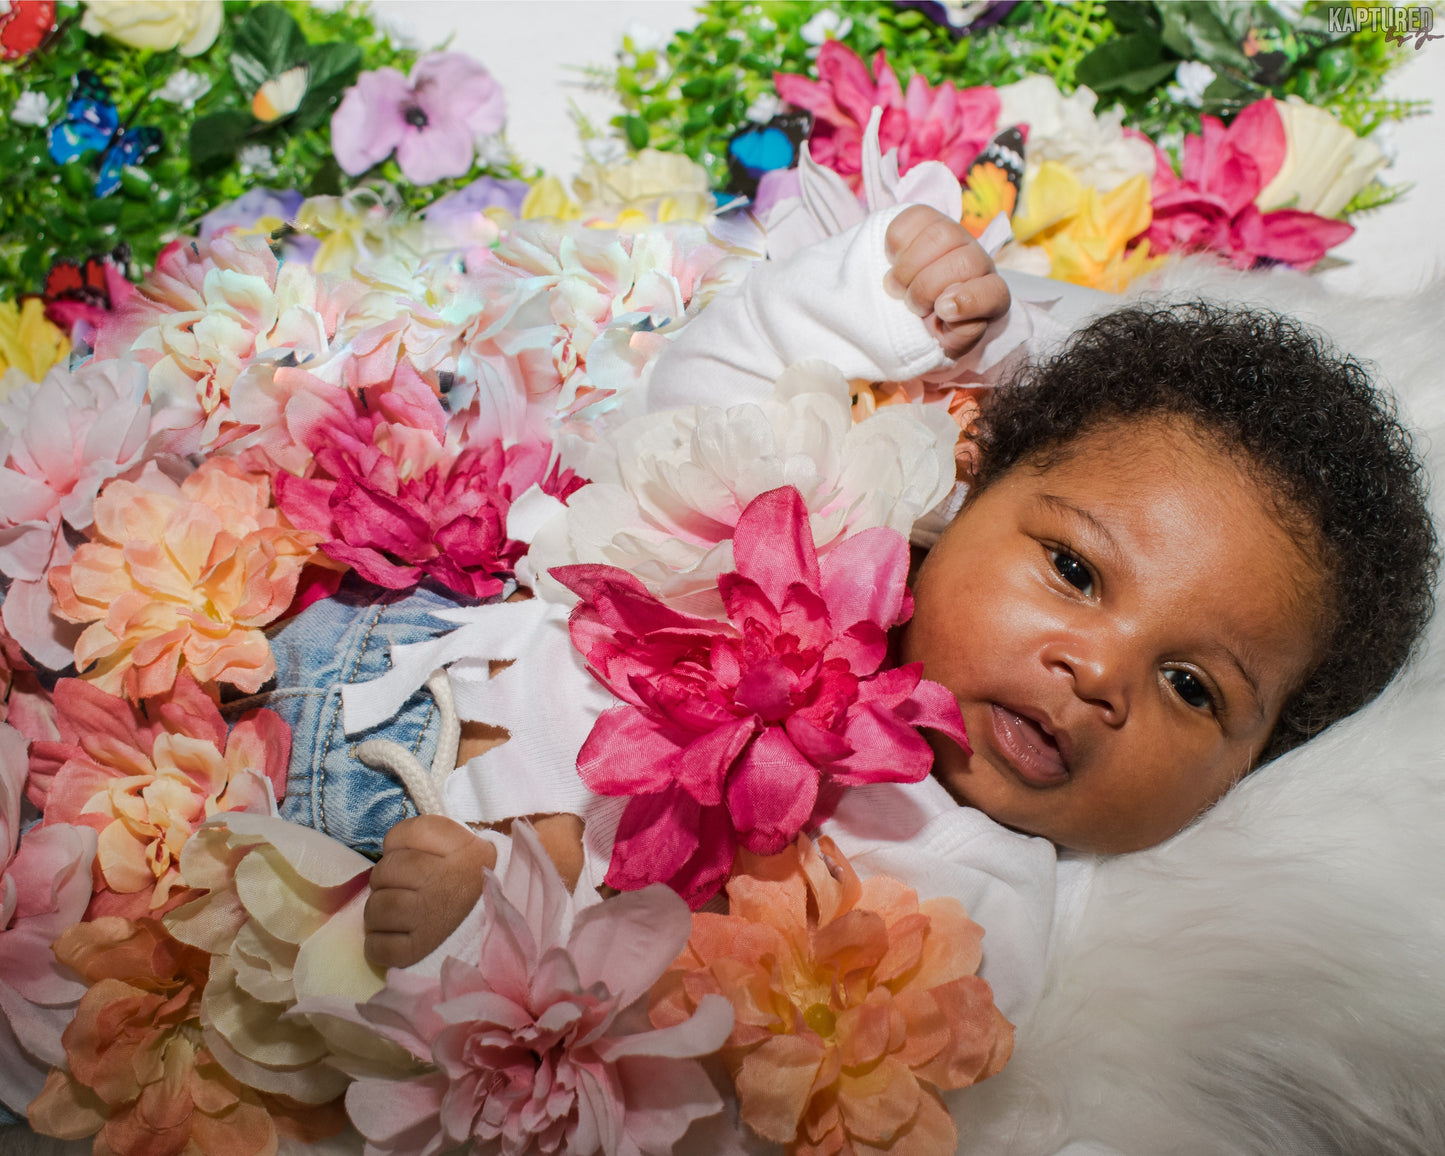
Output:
x,y
146,780
139,1073
855,1004
182,576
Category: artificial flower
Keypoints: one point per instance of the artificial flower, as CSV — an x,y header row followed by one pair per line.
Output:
x,y
208,309
1191,78
256,161
431,121
24,25
744,733
392,501
44,888
181,576
532,1040
825,25
855,1004
62,439
1087,234
1324,165
184,87
32,108
267,953
668,487
1212,204
188,26
661,186
25,703
29,342
159,774
364,223
1067,130
138,1071
474,214
923,124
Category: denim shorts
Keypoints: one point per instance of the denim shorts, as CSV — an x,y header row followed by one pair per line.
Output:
x,y
348,638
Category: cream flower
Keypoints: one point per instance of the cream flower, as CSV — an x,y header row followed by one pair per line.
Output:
x,y
669,487
1325,164
188,26
281,919
663,186
1067,130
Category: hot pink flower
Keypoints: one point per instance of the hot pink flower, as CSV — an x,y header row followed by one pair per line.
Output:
x,y
432,121
1211,206
745,733
44,888
923,124
146,780
399,505
533,1043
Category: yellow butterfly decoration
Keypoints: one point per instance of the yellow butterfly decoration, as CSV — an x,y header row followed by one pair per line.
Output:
x,y
281,95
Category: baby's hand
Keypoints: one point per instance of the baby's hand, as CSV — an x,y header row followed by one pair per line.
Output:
x,y
429,878
944,276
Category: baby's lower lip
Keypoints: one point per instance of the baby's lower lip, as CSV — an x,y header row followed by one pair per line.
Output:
x,y
1033,755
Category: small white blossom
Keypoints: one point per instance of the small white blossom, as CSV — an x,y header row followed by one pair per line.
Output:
x,y
645,38
255,160
826,22
1191,78
32,108
184,87
764,107
398,29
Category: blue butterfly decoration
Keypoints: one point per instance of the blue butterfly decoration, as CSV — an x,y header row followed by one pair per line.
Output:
x,y
755,151
92,124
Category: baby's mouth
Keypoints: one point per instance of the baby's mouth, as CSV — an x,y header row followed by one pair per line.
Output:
x,y
1030,750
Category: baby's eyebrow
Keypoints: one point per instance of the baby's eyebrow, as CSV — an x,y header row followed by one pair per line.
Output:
x,y
1064,506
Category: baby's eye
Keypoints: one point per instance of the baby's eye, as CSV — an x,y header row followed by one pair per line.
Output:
x,y
1191,689
1074,572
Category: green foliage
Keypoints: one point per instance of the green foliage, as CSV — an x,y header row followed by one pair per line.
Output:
x,y
53,211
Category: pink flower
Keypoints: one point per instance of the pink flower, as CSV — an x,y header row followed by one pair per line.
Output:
x,y
1212,206
745,733
533,1042
146,780
923,124
44,888
398,505
24,702
432,121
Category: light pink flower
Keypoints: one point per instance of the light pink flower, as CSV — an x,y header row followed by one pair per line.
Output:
x,y
432,120
1212,205
146,780
744,734
24,702
923,124
395,502
44,888
540,1043
60,440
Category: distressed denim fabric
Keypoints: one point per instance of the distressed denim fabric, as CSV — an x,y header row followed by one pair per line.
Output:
x,y
348,638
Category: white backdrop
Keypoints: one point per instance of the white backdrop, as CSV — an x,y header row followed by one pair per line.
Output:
x,y
534,46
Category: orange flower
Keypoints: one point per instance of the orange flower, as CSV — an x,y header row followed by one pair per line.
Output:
x,y
178,575
140,1072
855,1004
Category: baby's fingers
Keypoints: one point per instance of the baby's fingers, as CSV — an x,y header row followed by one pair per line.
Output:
x,y
982,299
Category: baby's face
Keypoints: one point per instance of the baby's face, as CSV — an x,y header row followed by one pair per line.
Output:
x,y
1121,630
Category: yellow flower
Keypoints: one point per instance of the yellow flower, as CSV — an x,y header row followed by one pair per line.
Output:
x,y
652,187
1086,232
547,198
29,342
189,26
362,224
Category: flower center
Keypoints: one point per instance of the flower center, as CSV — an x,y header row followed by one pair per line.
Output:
x,y
821,1019
414,116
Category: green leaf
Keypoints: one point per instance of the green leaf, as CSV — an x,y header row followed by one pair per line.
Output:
x,y
1131,16
334,68
269,37
637,130
1128,62
219,135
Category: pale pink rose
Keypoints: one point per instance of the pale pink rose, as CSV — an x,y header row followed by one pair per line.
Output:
x,y
44,888
533,1042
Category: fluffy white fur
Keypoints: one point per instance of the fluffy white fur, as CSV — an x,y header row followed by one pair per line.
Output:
x,y
1271,980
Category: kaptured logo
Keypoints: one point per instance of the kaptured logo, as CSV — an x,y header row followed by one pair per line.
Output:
x,y
1398,24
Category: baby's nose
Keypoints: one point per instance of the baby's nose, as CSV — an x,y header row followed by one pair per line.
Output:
x,y
1098,673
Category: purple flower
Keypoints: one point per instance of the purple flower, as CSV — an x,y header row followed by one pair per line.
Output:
x,y
249,208
482,194
431,121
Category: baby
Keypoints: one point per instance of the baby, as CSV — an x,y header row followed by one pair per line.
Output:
x,y
1196,538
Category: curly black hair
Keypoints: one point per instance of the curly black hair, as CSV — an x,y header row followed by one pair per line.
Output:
x,y
1311,424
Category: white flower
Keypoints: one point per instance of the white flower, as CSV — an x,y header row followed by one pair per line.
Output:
x,y
255,160
184,87
764,108
32,108
668,487
1065,129
826,23
1325,164
1191,78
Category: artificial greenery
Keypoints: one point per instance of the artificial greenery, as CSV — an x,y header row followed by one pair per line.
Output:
x,y
53,211
696,95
